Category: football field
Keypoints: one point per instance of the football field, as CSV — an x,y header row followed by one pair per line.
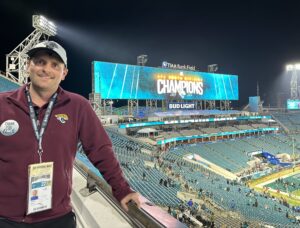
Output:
x,y
284,184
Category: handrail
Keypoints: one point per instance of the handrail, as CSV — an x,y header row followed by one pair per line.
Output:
x,y
148,216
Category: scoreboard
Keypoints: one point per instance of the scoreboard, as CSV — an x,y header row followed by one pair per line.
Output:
x,y
123,81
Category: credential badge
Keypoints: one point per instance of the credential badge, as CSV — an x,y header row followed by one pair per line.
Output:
x,y
9,127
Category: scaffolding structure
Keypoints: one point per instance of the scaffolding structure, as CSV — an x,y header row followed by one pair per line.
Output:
x,y
16,60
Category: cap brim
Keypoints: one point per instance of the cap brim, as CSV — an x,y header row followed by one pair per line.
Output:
x,y
33,51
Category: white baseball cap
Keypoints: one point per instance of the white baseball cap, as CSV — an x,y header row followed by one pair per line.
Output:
x,y
52,46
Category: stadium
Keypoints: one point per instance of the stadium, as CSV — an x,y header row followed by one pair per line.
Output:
x,y
196,160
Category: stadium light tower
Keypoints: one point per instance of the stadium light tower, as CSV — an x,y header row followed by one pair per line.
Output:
x,y
17,58
294,68
294,153
212,68
142,60
41,23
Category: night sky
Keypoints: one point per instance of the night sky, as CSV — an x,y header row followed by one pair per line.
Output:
x,y
252,39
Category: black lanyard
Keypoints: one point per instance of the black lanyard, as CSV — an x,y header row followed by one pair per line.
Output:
x,y
39,133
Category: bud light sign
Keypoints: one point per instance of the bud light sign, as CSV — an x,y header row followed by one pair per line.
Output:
x,y
181,106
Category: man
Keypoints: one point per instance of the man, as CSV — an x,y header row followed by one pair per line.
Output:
x,y
40,126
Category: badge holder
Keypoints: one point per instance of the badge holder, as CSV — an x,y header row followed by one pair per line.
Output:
x,y
40,182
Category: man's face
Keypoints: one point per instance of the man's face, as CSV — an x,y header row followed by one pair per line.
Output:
x,y
46,71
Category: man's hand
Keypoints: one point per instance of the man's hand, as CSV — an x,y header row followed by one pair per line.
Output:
x,y
131,196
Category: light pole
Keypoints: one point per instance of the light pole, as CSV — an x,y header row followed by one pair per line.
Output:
x,y
294,152
142,60
111,106
294,83
212,68
16,60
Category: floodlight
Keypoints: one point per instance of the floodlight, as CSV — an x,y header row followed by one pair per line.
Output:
x,y
291,67
41,23
142,59
212,68
294,69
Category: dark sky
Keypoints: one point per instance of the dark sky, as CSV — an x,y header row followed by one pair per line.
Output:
x,y
253,39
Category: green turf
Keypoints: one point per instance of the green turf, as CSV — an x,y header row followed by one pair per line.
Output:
x,y
296,193
282,187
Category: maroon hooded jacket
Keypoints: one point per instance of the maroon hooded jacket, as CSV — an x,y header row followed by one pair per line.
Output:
x,y
72,119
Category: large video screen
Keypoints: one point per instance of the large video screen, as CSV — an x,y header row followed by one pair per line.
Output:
x,y
122,81
254,103
293,104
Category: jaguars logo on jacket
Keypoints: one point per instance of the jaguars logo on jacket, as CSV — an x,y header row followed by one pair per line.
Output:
x,y
62,118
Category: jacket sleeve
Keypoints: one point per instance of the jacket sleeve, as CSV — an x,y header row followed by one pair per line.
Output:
x,y
98,148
